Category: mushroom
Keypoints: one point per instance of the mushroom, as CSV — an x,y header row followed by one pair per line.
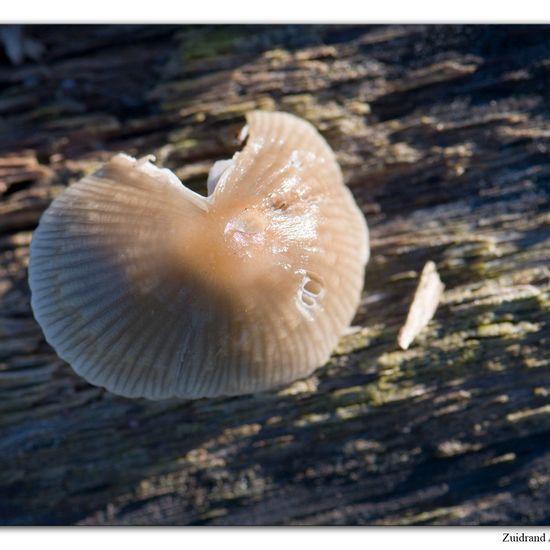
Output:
x,y
149,289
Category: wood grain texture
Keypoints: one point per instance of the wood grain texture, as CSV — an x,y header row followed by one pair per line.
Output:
x,y
443,135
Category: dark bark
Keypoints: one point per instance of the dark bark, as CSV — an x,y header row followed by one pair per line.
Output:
x,y
443,135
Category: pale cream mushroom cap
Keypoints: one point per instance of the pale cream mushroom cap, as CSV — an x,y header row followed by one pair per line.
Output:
x,y
149,289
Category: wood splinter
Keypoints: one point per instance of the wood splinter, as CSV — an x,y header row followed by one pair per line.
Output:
x,y
423,307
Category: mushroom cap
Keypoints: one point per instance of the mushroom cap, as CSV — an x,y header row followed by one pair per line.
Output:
x,y
149,289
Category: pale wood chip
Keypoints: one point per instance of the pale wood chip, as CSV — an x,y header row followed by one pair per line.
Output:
x,y
423,307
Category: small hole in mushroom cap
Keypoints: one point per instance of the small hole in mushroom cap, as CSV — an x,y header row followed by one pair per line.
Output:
x,y
279,203
313,285
311,292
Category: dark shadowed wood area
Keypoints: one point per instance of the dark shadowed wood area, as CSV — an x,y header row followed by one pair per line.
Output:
x,y
443,134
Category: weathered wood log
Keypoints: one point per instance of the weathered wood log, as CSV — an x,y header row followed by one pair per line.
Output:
x,y
443,136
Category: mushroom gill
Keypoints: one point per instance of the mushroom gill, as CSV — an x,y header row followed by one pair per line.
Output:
x,y
148,289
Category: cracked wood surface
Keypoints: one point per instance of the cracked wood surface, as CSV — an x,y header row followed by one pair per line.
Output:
x,y
443,136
